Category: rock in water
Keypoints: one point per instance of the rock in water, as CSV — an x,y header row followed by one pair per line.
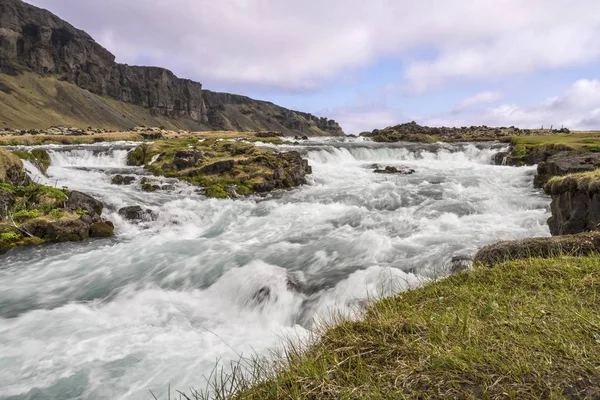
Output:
x,y
137,213
402,170
102,230
81,201
122,180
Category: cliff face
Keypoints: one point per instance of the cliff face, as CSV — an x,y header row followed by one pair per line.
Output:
x,y
33,39
575,203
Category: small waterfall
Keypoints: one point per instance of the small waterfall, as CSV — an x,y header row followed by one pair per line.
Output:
x,y
35,174
91,158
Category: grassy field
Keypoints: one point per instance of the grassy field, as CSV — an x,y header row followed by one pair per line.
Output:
x,y
577,140
527,329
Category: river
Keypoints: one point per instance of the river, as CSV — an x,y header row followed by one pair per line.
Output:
x,y
211,279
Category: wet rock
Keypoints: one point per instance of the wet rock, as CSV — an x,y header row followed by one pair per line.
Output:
x,y
63,230
101,230
461,263
81,201
137,213
122,180
501,158
402,170
582,244
218,167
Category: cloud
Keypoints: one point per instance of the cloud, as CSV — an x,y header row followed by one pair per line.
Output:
x,y
577,108
477,100
364,114
286,44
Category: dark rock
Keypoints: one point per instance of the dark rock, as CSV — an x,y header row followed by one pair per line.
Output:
x,y
268,134
81,201
101,230
185,159
262,295
575,205
152,136
564,163
137,213
218,167
64,230
501,158
122,180
393,170
582,244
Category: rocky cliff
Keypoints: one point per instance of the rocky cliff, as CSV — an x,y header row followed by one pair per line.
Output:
x,y
575,203
35,40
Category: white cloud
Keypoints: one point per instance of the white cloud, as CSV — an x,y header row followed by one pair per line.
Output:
x,y
577,108
296,45
477,100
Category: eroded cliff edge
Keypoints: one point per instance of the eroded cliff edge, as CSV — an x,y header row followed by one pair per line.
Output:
x,y
35,40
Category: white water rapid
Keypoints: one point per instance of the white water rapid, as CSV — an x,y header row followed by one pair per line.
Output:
x,y
214,279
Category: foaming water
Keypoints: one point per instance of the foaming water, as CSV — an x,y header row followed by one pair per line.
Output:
x,y
216,279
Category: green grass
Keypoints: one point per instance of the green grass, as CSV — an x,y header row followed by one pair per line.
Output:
x,y
575,141
527,329
588,182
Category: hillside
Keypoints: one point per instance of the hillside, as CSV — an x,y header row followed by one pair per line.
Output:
x,y
49,66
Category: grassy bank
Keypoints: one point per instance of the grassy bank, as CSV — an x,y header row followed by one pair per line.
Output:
x,y
527,329
527,149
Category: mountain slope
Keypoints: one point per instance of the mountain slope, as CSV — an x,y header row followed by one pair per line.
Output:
x,y
33,40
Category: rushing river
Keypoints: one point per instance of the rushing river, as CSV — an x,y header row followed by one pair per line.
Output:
x,y
164,300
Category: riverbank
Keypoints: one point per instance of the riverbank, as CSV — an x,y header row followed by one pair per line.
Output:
x,y
524,329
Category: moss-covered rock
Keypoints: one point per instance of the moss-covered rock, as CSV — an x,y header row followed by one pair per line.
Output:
x,y
582,244
11,169
224,168
101,230
31,214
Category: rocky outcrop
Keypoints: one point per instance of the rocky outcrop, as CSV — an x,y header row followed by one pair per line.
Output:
x,y
564,163
582,244
33,39
575,203
31,214
223,168
413,132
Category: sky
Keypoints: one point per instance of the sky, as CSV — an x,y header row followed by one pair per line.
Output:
x,y
371,63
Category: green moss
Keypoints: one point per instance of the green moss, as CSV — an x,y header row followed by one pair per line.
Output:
x,y
10,237
528,329
24,215
42,159
217,192
147,187
56,214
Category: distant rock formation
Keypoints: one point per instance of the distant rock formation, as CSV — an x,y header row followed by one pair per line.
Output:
x,y
33,39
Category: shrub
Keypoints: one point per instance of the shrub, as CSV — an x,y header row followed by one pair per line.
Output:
x,y
57,214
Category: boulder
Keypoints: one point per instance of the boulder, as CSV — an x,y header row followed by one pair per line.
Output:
x,y
101,230
582,244
185,159
564,163
402,170
218,167
81,201
63,230
122,180
137,213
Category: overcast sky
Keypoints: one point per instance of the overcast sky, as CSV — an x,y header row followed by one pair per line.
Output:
x,y
371,63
